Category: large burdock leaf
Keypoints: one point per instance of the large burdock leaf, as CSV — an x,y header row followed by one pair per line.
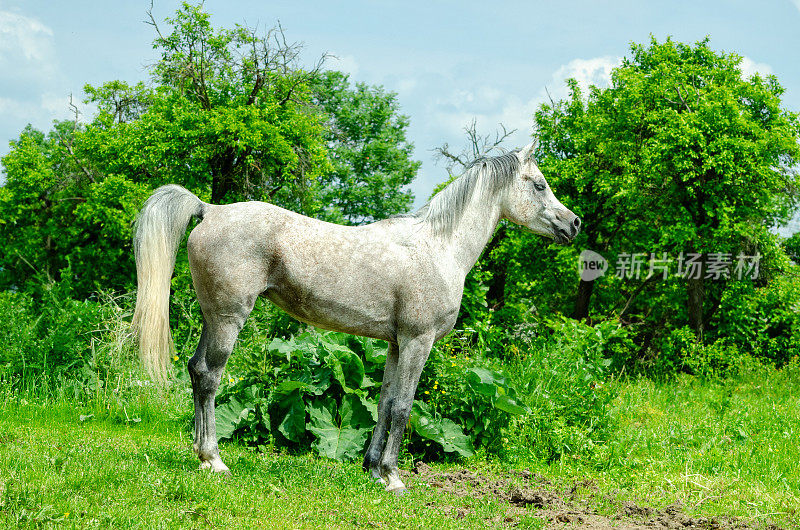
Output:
x,y
484,381
508,404
493,385
228,416
372,353
356,411
346,366
340,434
293,408
440,430
282,347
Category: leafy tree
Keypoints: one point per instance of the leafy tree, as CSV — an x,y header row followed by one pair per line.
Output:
x,y
368,149
649,175
56,215
231,115
680,154
230,112
792,247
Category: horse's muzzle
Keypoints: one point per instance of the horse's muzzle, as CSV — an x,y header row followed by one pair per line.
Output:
x,y
564,233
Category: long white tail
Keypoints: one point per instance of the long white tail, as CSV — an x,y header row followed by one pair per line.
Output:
x,y
158,232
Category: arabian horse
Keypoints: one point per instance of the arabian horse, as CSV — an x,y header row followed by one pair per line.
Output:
x,y
399,280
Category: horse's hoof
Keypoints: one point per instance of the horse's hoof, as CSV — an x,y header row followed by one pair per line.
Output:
x,y
376,477
215,466
393,482
398,491
396,486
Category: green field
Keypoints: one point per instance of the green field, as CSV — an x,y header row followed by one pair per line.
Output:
x,y
719,449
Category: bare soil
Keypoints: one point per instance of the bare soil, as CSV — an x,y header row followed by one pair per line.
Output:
x,y
577,505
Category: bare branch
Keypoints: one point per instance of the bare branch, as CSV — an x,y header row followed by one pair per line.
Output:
x,y
680,96
478,146
68,144
636,293
304,78
152,21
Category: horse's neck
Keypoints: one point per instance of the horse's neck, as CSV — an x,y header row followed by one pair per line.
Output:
x,y
473,231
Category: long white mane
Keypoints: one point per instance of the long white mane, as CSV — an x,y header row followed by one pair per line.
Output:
x,y
486,177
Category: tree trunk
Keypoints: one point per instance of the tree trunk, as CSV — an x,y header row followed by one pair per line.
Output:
x,y
496,295
222,181
220,186
582,300
585,289
696,292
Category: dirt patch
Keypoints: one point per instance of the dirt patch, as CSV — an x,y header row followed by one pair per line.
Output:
x,y
574,506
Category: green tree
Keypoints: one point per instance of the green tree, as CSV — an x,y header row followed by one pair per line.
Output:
x,y
370,154
229,114
791,245
230,111
55,214
681,154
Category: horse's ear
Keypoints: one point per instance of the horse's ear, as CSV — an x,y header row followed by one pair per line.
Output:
x,y
526,153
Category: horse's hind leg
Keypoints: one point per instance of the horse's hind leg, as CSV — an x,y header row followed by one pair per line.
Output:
x,y
205,369
373,454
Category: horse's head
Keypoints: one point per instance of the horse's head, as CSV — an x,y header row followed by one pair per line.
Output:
x,y
530,202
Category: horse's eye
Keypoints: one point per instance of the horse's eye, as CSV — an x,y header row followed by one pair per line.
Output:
x,y
539,186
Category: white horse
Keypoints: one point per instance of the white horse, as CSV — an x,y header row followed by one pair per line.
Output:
x,y
399,280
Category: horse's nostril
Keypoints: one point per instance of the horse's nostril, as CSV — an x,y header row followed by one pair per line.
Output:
x,y
577,222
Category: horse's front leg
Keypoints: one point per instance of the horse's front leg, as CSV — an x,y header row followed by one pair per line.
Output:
x,y
413,354
373,455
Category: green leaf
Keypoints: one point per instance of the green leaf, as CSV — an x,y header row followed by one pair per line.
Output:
x,y
440,430
508,404
356,413
293,424
373,354
286,387
228,416
346,366
371,405
339,440
282,347
484,381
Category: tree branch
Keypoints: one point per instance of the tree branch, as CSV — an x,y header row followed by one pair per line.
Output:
x,y
477,147
68,144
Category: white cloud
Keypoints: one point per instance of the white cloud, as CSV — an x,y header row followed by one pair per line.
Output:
x,y
32,82
595,71
345,63
796,4
490,106
749,67
25,40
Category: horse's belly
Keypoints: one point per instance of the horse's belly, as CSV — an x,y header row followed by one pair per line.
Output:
x,y
345,312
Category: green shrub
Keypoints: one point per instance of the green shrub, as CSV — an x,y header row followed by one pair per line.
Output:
x,y
49,335
791,245
564,378
17,332
320,391
680,351
460,384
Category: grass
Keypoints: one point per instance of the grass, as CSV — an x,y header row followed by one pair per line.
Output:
x,y
106,472
724,447
719,448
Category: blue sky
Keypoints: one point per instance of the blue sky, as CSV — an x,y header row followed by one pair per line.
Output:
x,y
448,61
